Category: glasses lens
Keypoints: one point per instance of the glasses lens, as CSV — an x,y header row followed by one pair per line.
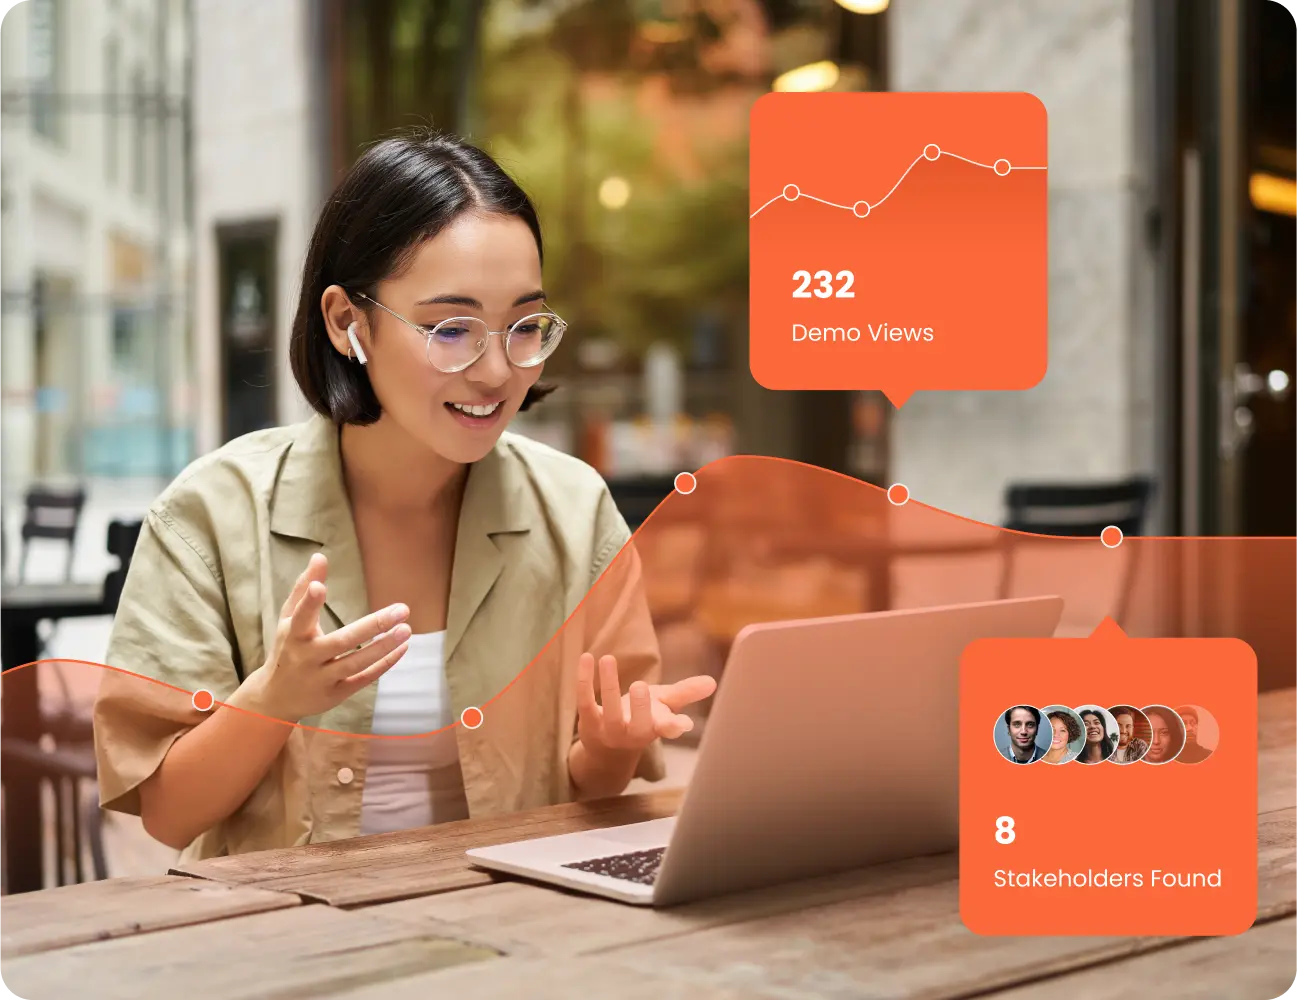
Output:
x,y
457,343
533,338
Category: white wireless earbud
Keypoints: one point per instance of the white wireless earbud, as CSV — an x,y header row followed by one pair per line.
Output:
x,y
355,344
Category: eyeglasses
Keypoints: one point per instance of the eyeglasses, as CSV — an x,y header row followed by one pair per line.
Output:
x,y
456,343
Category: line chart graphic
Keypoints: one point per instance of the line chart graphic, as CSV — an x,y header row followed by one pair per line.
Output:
x,y
945,288
861,209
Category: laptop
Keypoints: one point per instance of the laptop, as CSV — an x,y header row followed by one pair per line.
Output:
x,y
833,743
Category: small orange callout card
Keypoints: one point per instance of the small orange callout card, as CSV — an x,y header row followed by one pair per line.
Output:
x,y
1108,786
898,241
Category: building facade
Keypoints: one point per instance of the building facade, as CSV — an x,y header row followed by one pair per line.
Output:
x,y
94,234
259,177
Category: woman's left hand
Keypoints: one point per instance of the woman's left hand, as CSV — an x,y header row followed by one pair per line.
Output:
x,y
629,723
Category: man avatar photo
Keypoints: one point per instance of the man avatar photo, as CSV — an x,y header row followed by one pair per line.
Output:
x,y
1193,752
1130,747
1023,723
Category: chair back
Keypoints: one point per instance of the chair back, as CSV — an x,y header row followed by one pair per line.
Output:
x,y
122,536
55,514
1078,509
637,496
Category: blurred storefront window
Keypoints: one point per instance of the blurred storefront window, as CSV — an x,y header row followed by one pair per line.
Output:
x,y
94,321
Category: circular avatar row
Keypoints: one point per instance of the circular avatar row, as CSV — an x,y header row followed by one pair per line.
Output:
x,y
1092,734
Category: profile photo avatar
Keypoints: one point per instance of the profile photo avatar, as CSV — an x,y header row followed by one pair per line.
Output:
x,y
1101,734
1201,734
1133,734
1067,734
1167,734
1019,735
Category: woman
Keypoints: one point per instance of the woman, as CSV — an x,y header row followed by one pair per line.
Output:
x,y
1098,744
1066,730
1167,735
390,564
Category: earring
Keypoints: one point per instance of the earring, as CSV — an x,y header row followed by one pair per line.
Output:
x,y
355,345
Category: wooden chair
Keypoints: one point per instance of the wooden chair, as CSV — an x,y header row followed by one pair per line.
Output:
x,y
54,514
1076,510
69,764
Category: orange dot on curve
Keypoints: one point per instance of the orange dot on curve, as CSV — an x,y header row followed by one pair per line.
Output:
x,y
203,700
898,493
1111,536
471,717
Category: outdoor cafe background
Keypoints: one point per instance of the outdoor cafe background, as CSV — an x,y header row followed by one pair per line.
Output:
x,y
161,173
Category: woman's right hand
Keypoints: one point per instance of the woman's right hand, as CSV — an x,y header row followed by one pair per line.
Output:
x,y
309,672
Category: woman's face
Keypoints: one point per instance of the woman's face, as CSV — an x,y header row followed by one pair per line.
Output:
x,y
1059,741
1093,728
1162,745
480,265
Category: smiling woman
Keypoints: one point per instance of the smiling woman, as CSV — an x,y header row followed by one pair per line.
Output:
x,y
453,551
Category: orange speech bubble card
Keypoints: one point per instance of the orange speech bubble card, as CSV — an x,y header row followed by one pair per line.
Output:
x,y
1108,786
898,241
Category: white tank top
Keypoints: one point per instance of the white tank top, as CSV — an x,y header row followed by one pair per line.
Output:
x,y
413,782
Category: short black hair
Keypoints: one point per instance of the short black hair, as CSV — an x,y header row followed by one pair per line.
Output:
x,y
400,192
1035,714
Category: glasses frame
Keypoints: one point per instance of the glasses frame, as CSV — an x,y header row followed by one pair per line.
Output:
x,y
429,332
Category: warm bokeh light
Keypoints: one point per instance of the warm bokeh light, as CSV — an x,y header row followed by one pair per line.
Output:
x,y
614,192
1273,194
1278,381
813,76
864,6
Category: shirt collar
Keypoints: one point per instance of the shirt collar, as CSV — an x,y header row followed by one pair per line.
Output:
x,y
310,502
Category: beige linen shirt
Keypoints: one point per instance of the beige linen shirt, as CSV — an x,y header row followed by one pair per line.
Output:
x,y
219,552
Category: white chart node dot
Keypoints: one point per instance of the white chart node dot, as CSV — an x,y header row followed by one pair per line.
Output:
x,y
931,151
1002,167
861,209
791,192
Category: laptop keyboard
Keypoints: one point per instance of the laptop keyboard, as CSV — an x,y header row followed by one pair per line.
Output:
x,y
634,866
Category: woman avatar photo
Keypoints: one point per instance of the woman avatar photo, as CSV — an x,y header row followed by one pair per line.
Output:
x,y
1100,734
1068,737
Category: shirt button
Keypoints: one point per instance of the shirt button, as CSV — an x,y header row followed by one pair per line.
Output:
x,y
345,774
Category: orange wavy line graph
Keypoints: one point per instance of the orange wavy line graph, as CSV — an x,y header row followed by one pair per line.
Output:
x,y
713,465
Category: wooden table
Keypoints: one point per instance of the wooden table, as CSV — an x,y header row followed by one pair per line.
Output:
x,y
403,916
23,606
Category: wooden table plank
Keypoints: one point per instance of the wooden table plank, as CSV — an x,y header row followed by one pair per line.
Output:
x,y
1254,966
392,866
893,930
547,979
96,911
306,951
1257,965
1277,718
525,919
